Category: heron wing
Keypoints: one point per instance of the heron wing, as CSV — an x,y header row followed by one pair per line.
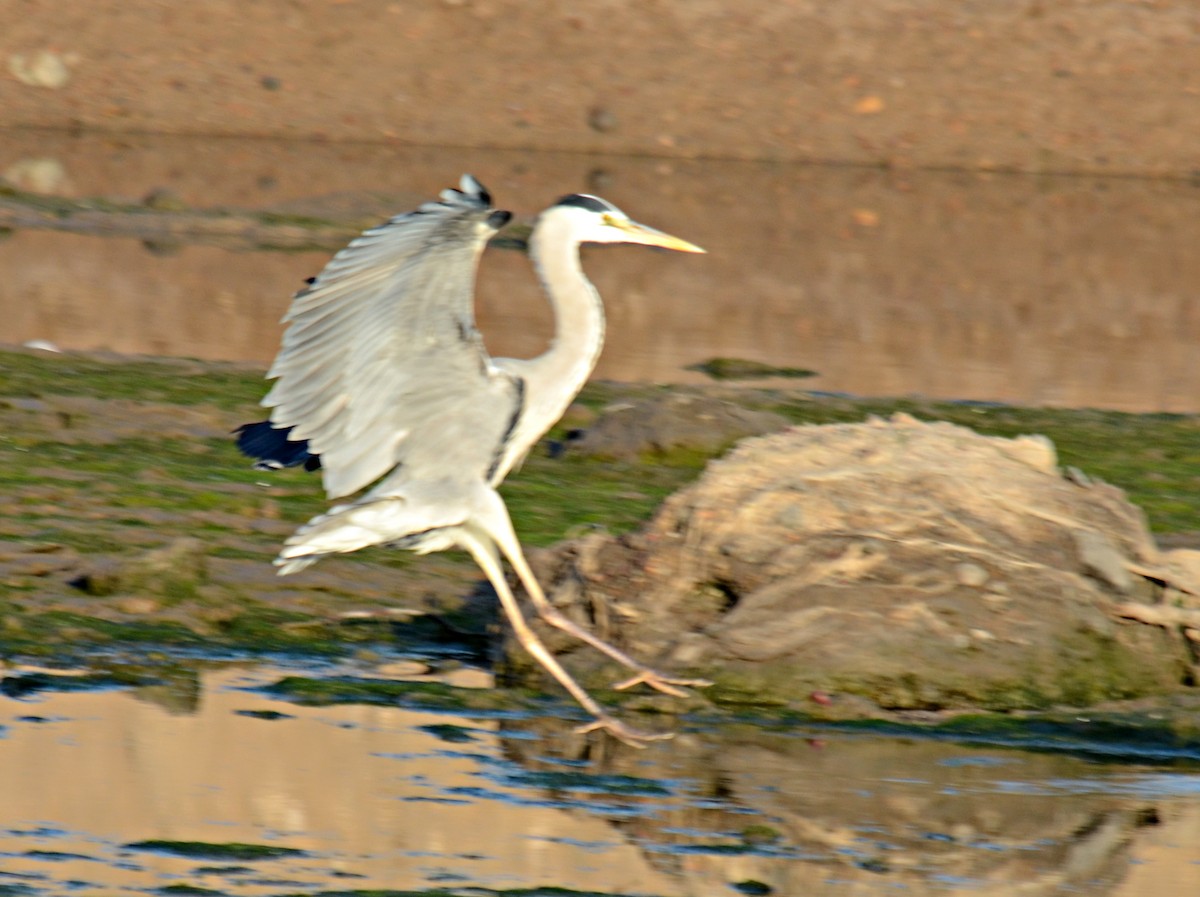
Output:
x,y
382,364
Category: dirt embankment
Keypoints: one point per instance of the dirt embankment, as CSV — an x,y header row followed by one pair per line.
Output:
x,y
1070,86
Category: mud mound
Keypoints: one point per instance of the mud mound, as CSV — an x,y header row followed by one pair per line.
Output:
x,y
914,565
678,420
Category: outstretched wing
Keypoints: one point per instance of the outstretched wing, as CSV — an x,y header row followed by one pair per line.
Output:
x,y
381,363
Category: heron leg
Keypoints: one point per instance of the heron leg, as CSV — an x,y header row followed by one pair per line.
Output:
x,y
488,560
506,539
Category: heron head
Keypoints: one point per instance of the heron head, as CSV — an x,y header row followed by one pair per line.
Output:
x,y
596,220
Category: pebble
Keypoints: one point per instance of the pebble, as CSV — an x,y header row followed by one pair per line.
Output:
x,y
869,105
137,605
164,199
45,68
602,120
42,345
38,175
401,669
969,574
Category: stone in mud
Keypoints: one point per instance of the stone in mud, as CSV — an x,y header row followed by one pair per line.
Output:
x,y
660,424
172,572
851,560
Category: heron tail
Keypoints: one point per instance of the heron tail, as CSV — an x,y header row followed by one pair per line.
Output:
x,y
272,449
374,521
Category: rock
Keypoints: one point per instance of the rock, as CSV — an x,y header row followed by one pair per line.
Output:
x,y
164,199
919,566
137,605
41,345
1184,567
601,119
45,68
659,424
1101,559
38,175
969,574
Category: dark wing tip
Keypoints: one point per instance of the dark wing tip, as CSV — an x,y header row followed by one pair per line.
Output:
x,y
470,189
499,218
272,448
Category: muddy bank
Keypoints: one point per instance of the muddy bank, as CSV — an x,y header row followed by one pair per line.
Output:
x,y
1069,86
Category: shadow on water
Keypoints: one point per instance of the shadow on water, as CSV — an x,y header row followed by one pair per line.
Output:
x,y
224,787
1040,290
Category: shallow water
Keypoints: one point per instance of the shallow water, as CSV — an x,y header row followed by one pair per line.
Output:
x,y
379,797
1056,291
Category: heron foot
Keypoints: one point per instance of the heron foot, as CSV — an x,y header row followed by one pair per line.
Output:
x,y
622,732
665,684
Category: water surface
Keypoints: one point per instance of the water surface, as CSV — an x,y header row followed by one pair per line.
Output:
x,y
390,798
1052,291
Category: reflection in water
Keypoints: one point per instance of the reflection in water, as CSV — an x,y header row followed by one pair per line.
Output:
x,y
372,798
1057,291
847,814
380,797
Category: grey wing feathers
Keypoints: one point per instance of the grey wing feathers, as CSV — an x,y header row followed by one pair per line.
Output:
x,y
382,344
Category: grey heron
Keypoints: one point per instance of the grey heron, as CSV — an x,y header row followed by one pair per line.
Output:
x,y
384,378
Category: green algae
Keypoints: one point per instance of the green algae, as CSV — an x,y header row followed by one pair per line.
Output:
x,y
171,381
23,685
471,891
435,696
268,715
1154,456
205,850
752,887
1136,734
744,369
46,628
1156,730
1082,669
448,733
67,635
585,782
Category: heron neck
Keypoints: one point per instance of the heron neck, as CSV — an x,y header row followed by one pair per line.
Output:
x,y
578,311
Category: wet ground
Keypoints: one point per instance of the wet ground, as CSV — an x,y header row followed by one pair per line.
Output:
x,y
211,784
1066,292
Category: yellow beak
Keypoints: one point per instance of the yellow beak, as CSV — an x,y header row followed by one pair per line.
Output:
x,y
648,236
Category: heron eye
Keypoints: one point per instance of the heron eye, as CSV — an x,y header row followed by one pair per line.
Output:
x,y
610,221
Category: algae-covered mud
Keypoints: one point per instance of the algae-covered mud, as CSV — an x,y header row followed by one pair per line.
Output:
x,y
128,517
